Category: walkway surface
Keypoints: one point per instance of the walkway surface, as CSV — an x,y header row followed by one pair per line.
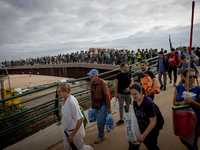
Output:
x,y
116,139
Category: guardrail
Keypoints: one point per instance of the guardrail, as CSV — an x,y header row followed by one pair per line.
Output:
x,y
19,123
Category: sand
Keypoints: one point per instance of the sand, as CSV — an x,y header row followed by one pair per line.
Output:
x,y
29,81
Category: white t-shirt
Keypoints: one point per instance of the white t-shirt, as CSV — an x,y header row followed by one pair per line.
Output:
x,y
70,115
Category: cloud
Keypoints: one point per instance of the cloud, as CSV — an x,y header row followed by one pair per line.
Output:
x,y
42,28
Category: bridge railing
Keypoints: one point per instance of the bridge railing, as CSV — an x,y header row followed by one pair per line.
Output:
x,y
19,123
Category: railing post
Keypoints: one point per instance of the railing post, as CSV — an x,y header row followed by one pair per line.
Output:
x,y
56,112
130,68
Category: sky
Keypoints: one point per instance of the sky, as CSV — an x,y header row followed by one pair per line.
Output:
x,y
36,28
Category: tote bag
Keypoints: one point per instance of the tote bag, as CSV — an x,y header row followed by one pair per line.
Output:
x,y
147,84
132,127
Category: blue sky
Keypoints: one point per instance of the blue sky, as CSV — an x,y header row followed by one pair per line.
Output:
x,y
41,28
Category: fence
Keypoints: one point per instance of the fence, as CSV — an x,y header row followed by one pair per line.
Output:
x,y
19,123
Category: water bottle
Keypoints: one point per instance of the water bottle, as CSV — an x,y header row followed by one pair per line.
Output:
x,y
91,115
116,106
109,122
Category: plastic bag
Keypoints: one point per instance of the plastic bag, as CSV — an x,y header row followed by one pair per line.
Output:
x,y
116,106
109,122
132,127
184,122
91,115
187,94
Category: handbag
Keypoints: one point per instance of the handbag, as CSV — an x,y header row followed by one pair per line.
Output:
x,y
184,122
147,84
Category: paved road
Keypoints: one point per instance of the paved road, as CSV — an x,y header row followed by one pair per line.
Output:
x,y
116,140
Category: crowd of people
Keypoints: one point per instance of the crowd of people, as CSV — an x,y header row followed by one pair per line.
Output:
x,y
94,55
149,117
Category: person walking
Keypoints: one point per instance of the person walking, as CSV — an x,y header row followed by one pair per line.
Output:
x,y
100,101
123,81
72,119
143,66
184,64
162,68
174,61
179,100
139,55
149,118
186,52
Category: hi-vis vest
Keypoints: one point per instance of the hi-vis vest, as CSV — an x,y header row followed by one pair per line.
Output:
x,y
138,55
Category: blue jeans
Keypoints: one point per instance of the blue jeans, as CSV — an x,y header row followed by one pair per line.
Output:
x,y
107,60
101,120
160,73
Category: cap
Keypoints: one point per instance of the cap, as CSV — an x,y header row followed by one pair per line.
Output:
x,y
93,72
160,52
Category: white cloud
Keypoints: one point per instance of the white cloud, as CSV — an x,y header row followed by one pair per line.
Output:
x,y
42,27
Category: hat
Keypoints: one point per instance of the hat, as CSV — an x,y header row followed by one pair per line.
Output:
x,y
160,52
93,72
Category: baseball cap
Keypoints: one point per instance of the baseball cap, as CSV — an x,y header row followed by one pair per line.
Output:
x,y
93,72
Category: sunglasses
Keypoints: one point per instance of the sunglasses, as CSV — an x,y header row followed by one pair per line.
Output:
x,y
194,76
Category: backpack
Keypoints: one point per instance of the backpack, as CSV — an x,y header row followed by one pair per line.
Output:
x,y
160,120
176,52
110,94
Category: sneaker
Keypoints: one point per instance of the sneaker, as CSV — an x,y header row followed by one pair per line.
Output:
x,y
161,87
120,122
174,84
164,89
170,81
99,140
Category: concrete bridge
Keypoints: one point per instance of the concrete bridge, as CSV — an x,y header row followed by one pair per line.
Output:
x,y
51,137
71,70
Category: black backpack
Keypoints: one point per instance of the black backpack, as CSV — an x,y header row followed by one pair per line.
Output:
x,y
160,119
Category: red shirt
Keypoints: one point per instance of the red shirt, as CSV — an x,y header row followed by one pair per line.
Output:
x,y
174,59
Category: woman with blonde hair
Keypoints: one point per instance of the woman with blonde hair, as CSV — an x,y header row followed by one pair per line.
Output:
x,y
179,100
72,119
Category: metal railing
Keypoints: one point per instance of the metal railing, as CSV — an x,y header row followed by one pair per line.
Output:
x,y
16,124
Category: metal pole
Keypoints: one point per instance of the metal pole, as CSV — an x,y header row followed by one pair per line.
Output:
x,y
191,32
8,82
